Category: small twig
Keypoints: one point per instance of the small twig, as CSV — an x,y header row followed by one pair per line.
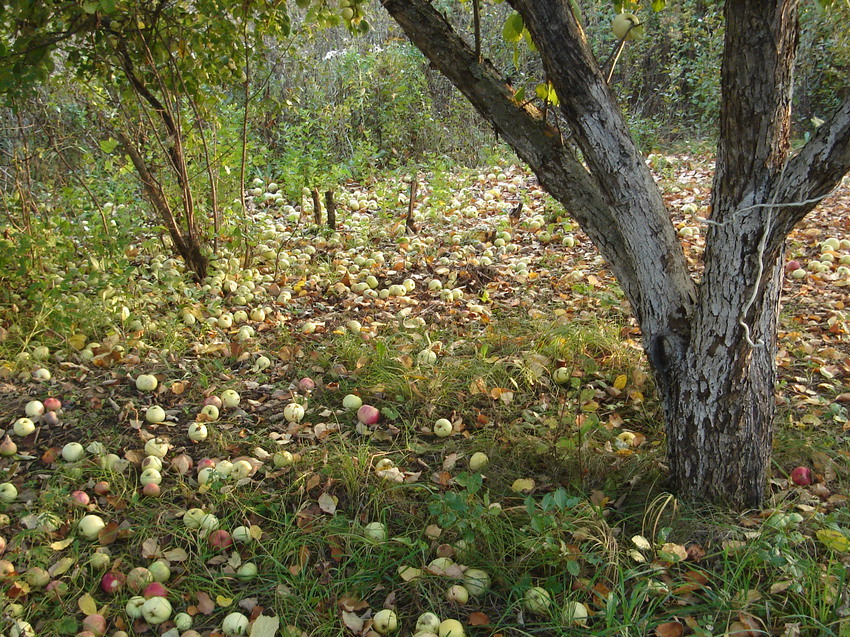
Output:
x,y
414,186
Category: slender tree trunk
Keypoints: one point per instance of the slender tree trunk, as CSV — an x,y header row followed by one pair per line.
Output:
x,y
187,246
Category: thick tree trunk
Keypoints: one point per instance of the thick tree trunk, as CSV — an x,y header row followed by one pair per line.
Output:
x,y
711,344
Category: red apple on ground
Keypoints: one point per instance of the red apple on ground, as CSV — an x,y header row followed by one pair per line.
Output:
x,y
801,476
151,490
52,404
368,415
306,384
791,266
112,582
155,589
220,540
101,488
80,498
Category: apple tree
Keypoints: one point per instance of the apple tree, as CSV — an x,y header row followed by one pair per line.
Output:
x,y
710,336
154,72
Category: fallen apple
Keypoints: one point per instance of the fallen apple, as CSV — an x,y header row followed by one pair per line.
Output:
x,y
229,398
801,476
210,413
197,431
156,610
73,451
183,622
152,462
427,623
376,531
537,600
385,621
443,428
155,414
112,582
306,384
235,624
146,382
293,412
155,589
133,608
476,581
478,461
241,469
561,375
52,404
34,409
157,446
352,402
220,540
457,594
450,628
8,446
138,578
89,526
368,415
150,476
574,613
246,572
160,571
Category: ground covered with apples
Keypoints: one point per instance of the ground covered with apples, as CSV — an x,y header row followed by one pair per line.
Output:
x,y
440,423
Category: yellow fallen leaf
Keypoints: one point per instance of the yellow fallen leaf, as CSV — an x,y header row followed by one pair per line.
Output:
x,y
834,540
523,485
620,381
223,601
671,552
408,573
87,604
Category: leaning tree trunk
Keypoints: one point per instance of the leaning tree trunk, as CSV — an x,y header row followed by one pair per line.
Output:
x,y
712,343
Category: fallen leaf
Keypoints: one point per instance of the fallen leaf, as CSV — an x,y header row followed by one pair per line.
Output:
x,y
327,503
834,540
669,629
205,603
478,619
87,604
265,626
353,622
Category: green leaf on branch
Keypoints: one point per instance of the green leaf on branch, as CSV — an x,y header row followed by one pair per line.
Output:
x,y
514,26
108,145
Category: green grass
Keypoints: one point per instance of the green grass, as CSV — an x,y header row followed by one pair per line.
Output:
x,y
577,534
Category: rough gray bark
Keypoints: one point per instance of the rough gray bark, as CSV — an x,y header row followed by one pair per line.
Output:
x,y
711,343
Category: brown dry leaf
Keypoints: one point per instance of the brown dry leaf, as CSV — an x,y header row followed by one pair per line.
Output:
x,y
87,604
346,602
478,619
669,629
150,548
108,534
182,463
206,605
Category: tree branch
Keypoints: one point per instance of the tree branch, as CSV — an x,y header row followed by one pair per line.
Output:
x,y
816,170
521,125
